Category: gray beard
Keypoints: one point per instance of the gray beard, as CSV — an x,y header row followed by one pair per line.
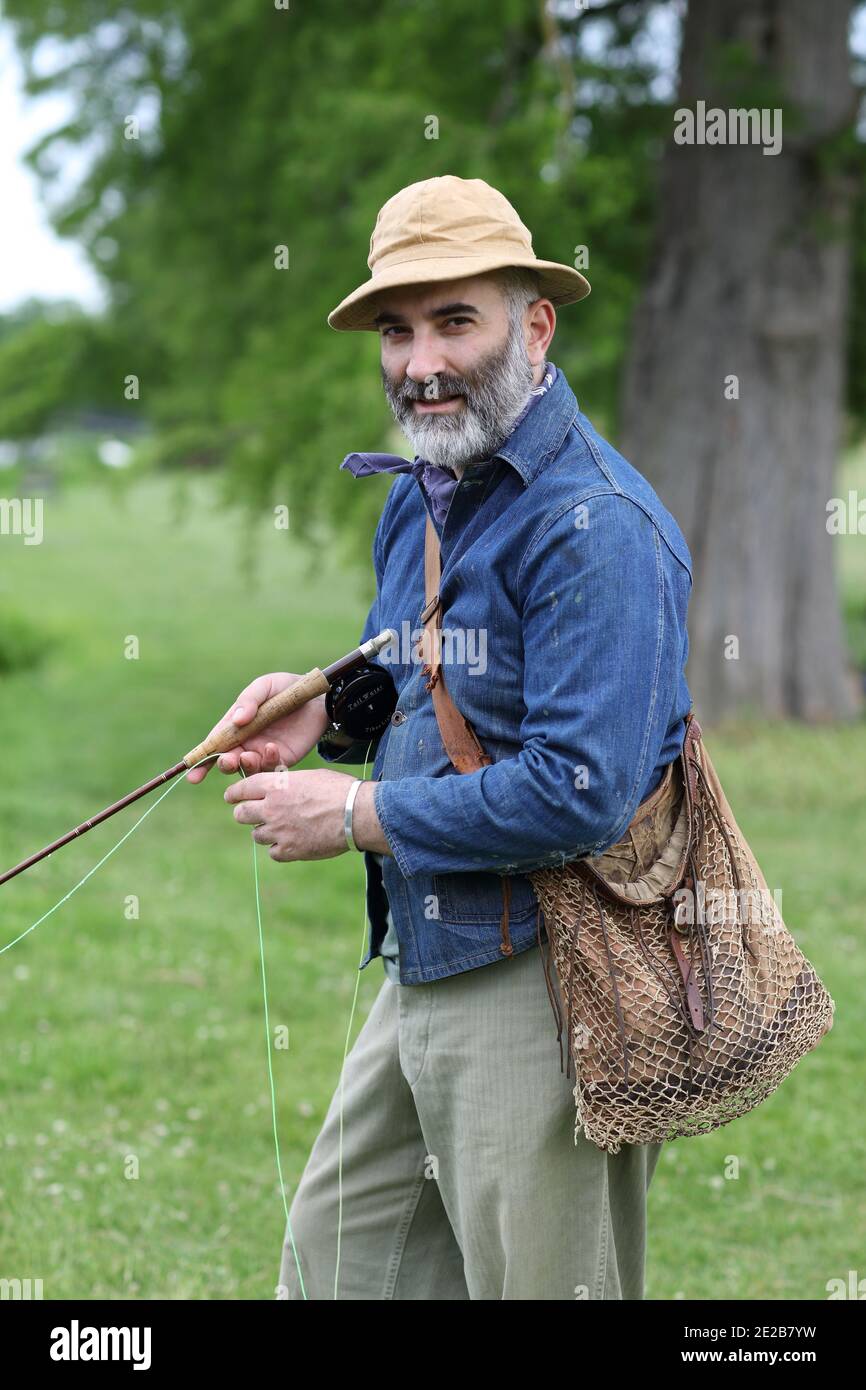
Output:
x,y
494,394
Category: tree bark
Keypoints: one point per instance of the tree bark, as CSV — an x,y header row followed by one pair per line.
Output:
x,y
749,278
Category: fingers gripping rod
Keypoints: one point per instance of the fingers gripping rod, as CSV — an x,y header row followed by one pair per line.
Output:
x,y
227,736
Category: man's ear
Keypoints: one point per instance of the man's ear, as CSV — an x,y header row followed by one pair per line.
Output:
x,y
539,327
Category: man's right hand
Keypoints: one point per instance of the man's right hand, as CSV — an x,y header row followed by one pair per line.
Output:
x,y
285,742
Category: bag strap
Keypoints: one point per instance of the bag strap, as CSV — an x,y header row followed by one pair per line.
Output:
x,y
460,739
692,736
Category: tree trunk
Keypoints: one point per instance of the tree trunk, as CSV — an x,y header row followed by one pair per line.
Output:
x,y
749,279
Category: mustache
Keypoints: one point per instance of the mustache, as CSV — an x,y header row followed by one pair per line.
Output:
x,y
446,385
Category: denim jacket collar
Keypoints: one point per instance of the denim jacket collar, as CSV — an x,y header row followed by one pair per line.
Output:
x,y
540,436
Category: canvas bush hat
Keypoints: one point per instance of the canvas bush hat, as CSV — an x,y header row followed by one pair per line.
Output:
x,y
447,228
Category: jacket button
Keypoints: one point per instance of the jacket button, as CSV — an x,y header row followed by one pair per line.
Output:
x,y
398,717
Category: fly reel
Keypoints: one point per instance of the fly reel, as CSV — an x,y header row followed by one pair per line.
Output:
x,y
361,703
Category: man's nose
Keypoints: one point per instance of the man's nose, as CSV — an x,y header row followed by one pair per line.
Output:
x,y
425,359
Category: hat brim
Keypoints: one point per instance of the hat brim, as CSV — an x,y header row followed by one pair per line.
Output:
x,y
561,284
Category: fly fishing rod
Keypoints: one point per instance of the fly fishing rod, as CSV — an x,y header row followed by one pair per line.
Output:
x,y
359,699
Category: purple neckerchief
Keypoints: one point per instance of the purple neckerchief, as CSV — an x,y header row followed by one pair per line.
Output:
x,y
438,483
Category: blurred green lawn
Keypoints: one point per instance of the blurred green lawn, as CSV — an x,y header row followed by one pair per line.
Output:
x,y
145,1037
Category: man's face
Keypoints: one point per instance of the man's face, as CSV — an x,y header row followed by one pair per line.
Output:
x,y
454,367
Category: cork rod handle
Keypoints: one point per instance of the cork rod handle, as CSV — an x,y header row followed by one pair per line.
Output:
x,y
223,739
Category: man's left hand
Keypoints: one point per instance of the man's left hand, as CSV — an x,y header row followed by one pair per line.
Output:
x,y
299,815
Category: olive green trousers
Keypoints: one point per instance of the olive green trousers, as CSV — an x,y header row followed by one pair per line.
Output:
x,y
461,1178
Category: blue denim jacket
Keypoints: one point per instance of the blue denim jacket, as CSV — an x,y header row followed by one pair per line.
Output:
x,y
565,584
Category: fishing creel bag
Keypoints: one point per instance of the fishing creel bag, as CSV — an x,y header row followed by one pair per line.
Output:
x,y
687,999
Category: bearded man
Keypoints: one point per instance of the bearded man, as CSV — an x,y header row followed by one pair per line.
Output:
x,y
448,1156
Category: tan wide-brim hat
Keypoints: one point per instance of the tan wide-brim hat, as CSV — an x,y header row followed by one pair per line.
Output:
x,y
446,229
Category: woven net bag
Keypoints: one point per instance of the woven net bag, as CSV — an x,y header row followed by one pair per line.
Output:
x,y
688,1001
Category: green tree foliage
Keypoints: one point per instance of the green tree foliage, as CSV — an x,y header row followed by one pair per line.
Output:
x,y
263,127
53,359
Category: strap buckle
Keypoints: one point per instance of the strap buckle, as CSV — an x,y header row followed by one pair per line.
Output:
x,y
430,608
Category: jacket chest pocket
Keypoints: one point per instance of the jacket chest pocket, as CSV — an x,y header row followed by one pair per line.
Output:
x,y
476,898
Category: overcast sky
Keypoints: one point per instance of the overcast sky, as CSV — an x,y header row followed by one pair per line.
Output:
x,y
33,259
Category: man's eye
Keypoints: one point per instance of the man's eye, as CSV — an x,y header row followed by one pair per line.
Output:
x,y
458,319
393,329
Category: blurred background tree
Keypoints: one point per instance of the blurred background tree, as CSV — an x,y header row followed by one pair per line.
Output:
x,y
217,134
735,381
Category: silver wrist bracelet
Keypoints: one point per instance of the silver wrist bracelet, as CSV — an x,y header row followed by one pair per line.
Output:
x,y
347,814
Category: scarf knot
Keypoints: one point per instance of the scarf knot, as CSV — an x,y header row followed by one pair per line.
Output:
x,y
438,483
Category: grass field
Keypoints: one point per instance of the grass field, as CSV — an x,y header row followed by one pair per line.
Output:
x,y
140,1037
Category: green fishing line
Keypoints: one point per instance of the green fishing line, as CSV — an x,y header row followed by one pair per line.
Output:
x,y
342,1075
90,874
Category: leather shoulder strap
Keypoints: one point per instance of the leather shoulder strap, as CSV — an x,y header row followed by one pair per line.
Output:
x,y
460,740
692,736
